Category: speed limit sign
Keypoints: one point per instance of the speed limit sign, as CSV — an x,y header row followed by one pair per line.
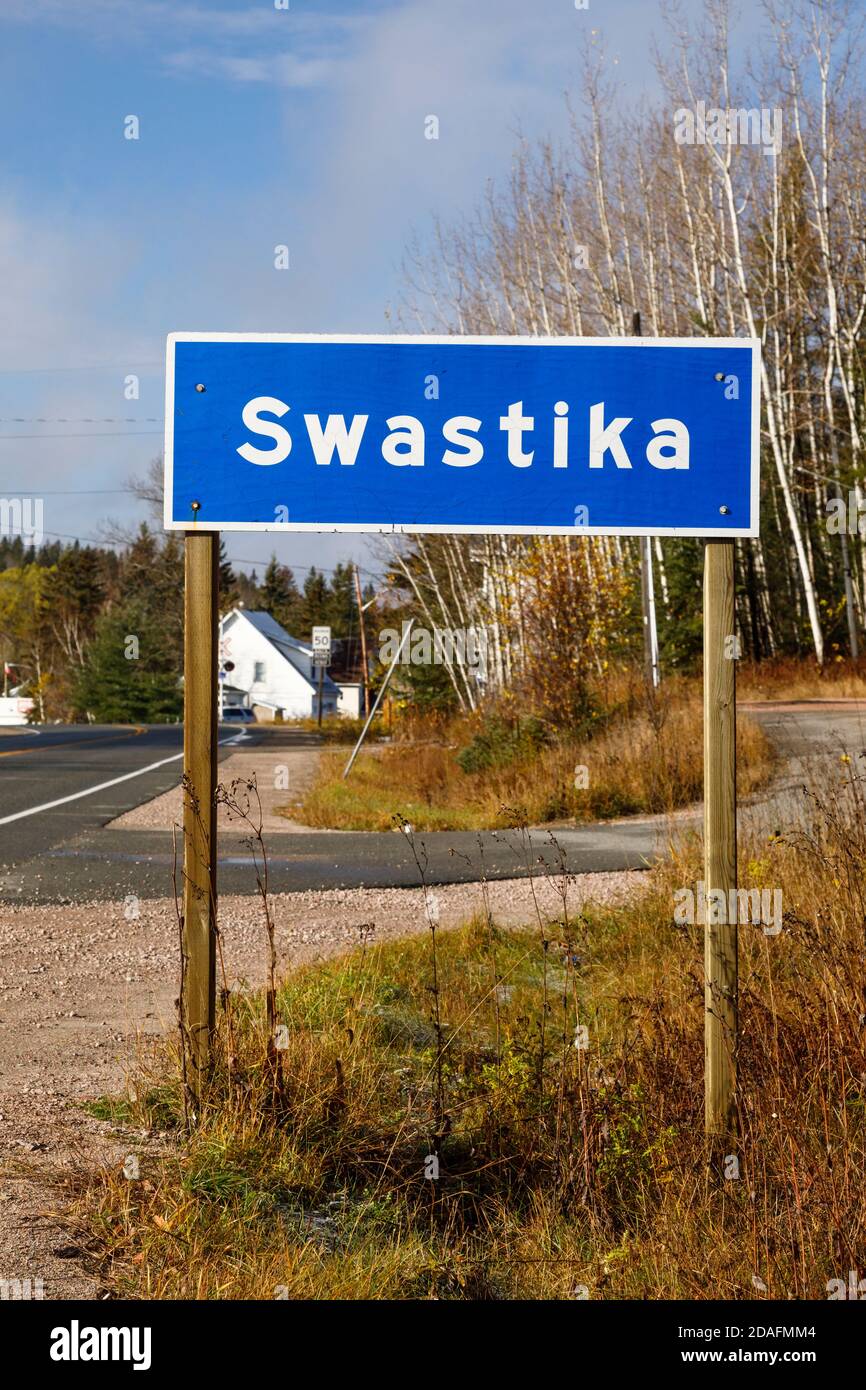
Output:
x,y
321,645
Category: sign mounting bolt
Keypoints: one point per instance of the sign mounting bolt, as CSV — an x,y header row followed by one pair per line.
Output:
x,y
725,511
200,386
195,506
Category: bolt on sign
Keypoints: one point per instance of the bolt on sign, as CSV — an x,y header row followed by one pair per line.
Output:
x,y
535,436
525,435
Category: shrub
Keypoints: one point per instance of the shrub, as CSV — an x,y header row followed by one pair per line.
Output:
x,y
501,742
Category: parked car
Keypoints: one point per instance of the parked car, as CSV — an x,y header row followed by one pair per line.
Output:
x,y
236,714
15,711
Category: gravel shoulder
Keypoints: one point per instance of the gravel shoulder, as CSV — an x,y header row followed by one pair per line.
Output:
x,y
282,776
84,989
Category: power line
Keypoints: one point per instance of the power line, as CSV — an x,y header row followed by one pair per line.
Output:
x,y
320,569
84,434
80,491
82,420
97,367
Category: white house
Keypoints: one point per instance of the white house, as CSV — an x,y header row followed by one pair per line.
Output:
x,y
263,669
350,701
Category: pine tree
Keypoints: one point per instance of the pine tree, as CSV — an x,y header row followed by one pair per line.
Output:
x,y
314,607
279,595
140,564
130,675
680,625
247,592
341,608
228,581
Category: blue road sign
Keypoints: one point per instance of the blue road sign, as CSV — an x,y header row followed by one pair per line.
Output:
x,y
600,436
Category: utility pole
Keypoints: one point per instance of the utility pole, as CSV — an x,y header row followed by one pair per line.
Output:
x,y
359,597
648,604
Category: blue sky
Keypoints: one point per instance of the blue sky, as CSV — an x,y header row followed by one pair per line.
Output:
x,y
258,127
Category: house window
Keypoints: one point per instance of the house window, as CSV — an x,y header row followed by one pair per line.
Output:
x,y
258,672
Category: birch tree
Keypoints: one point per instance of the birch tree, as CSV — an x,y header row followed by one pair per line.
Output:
x,y
729,239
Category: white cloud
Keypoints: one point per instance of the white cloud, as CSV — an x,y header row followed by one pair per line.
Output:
x,y
132,18
380,177
58,281
283,69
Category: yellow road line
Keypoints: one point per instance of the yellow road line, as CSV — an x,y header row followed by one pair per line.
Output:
x,y
74,742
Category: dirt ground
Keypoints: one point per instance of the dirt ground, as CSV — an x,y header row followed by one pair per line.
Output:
x,y
82,989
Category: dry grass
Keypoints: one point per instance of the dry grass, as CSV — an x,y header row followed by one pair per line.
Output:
x,y
561,1169
790,679
340,729
640,761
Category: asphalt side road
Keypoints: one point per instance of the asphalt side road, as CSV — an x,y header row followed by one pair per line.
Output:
x,y
111,864
60,787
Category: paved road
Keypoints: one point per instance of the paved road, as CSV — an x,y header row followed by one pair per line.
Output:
x,y
59,780
811,728
54,847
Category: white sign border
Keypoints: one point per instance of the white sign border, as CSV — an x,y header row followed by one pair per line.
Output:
x,y
447,340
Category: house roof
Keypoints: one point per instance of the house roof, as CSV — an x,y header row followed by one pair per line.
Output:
x,y
270,628
288,647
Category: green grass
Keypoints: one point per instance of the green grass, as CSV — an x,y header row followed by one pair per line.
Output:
x,y
156,1103
332,1163
366,800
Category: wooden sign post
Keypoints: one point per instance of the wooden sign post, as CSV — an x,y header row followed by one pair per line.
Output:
x,y
201,638
720,841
